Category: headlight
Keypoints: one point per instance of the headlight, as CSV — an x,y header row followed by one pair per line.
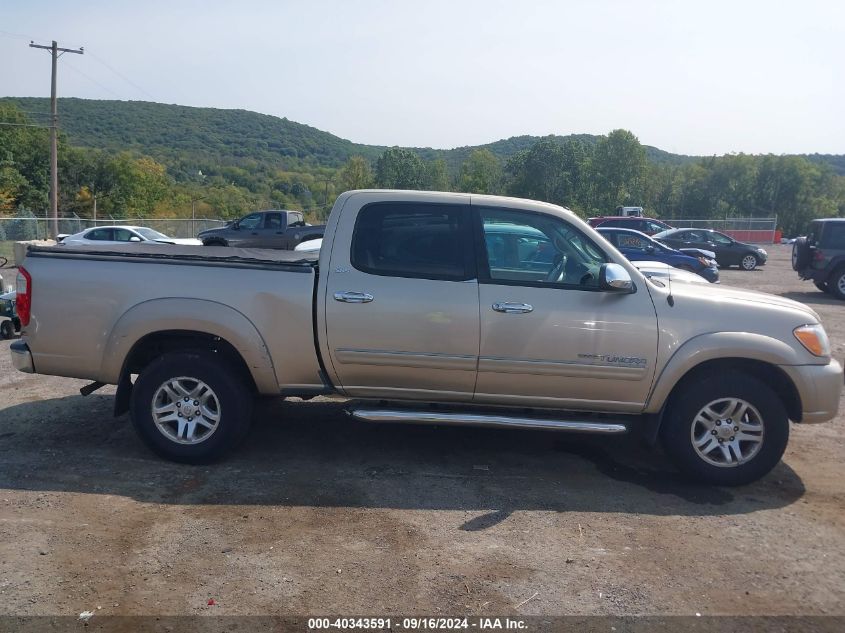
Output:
x,y
762,251
813,338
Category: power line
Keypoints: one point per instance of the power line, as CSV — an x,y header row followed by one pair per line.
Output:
x,y
39,113
17,36
45,127
121,75
93,81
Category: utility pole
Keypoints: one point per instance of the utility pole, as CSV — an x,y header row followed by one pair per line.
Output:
x,y
54,125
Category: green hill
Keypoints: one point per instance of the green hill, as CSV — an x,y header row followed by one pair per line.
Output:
x,y
174,133
178,133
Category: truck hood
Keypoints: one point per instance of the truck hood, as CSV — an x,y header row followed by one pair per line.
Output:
x,y
213,231
729,295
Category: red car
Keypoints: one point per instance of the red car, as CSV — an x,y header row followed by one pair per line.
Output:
x,y
649,226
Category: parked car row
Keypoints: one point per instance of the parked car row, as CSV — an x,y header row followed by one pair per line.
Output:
x,y
278,229
700,251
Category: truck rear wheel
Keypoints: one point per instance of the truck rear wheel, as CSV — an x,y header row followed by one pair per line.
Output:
x,y
191,407
727,429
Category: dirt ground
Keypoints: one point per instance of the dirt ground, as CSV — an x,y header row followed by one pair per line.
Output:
x,y
318,514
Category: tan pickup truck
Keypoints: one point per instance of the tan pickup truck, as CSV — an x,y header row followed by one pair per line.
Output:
x,y
437,308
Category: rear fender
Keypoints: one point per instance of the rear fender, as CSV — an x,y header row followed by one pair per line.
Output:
x,y
189,315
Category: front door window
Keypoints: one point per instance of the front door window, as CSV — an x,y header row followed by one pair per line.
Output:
x,y
538,249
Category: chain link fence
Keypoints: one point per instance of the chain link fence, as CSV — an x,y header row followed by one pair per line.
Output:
x,y
759,230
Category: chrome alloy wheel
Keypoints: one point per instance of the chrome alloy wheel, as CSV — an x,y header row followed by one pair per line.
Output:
x,y
840,284
186,410
727,432
749,262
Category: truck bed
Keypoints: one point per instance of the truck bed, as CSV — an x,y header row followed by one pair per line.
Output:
x,y
92,305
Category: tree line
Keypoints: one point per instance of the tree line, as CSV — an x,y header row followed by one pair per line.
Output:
x,y
591,178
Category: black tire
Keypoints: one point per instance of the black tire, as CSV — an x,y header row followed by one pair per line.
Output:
x,y
679,424
7,330
232,395
749,262
822,285
836,283
800,254
16,322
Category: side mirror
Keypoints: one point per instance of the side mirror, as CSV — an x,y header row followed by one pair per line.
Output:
x,y
614,278
649,249
134,238
236,225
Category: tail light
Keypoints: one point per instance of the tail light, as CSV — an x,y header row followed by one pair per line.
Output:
x,y
23,300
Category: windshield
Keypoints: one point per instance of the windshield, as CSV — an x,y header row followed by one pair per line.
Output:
x,y
660,235
149,234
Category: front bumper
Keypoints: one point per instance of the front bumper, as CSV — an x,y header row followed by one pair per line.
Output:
x,y
814,274
21,357
819,387
711,274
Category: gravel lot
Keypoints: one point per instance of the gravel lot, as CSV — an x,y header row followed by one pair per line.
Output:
x,y
318,514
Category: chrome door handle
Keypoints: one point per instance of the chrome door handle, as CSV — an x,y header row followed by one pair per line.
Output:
x,y
353,297
513,308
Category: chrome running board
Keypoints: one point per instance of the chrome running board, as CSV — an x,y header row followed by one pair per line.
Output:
x,y
406,416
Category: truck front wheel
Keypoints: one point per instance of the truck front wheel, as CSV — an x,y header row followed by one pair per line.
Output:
x,y
191,407
727,430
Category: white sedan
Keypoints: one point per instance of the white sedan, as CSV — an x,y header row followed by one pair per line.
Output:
x,y
122,235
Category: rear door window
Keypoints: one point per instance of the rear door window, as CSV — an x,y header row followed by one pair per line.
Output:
x,y
100,235
632,241
273,221
414,240
123,235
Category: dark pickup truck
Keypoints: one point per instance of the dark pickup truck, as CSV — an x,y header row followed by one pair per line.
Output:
x,y
264,229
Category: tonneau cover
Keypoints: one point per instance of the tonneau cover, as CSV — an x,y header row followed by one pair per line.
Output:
x,y
180,252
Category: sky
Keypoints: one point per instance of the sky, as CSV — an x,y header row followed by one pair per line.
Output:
x,y
698,78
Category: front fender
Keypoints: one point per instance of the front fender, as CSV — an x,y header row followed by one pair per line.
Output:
x,y
713,346
189,315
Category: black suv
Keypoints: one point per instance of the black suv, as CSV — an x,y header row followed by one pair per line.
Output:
x,y
821,255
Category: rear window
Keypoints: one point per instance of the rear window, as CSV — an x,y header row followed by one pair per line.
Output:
x,y
616,223
833,235
425,241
